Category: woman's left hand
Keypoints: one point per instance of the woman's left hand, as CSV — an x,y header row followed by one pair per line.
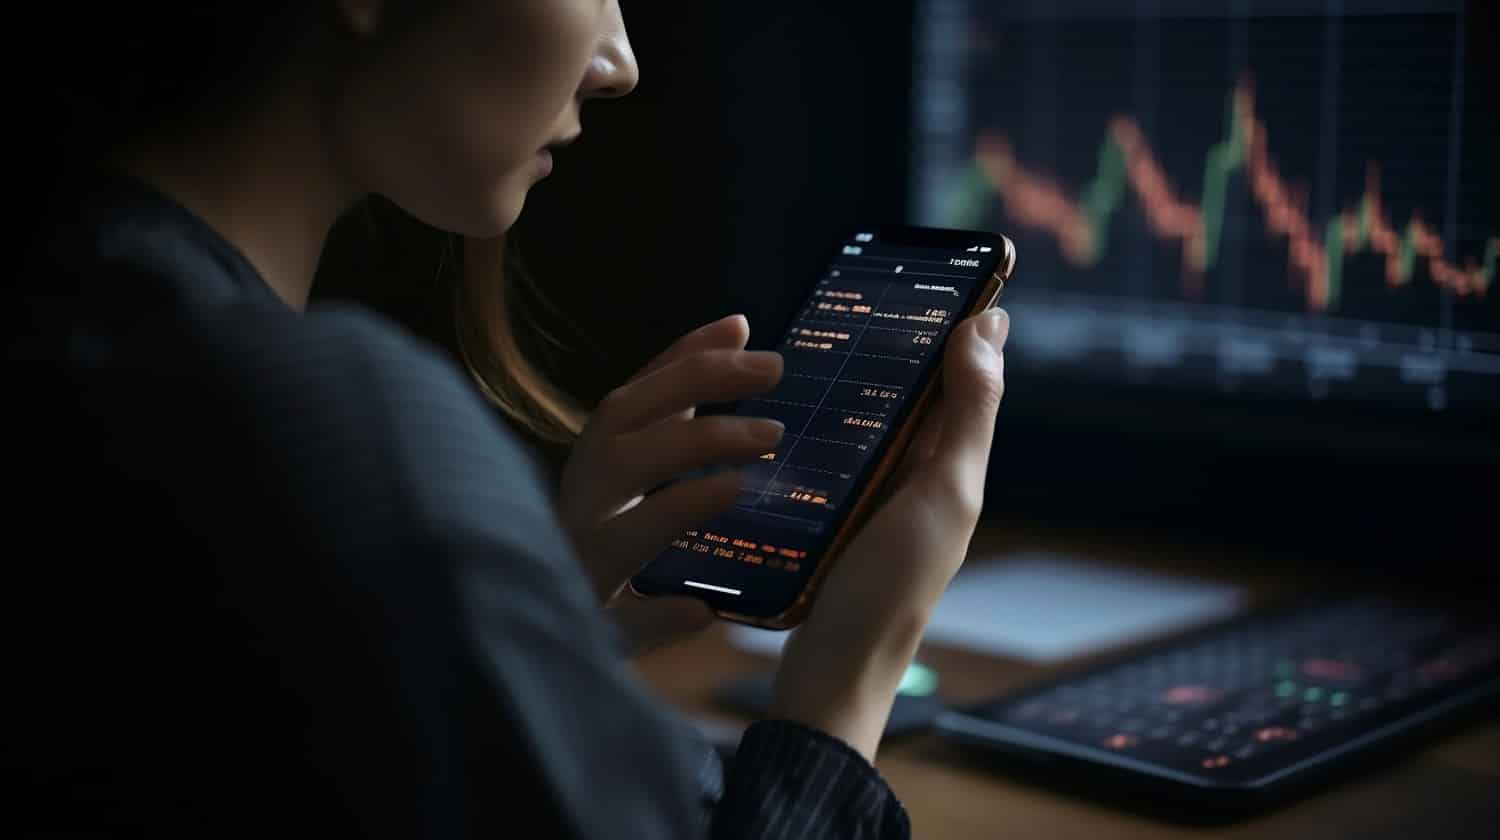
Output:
x,y
645,433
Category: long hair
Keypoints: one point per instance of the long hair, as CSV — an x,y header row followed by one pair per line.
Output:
x,y
494,297
471,299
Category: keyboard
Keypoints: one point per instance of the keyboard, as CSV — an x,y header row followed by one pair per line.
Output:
x,y
1250,710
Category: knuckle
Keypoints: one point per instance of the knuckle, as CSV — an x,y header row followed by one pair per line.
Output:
x,y
695,440
706,366
988,390
726,432
968,506
960,497
729,433
691,374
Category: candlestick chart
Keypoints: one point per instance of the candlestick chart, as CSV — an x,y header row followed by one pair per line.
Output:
x,y
1292,197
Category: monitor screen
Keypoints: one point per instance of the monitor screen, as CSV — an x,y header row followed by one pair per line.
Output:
x,y
1287,200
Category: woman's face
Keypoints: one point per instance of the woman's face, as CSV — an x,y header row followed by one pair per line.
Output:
x,y
452,116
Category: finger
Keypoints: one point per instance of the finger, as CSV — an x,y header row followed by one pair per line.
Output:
x,y
704,377
728,333
635,537
652,622
660,452
973,385
645,460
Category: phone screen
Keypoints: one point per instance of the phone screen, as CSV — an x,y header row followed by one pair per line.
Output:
x,y
859,351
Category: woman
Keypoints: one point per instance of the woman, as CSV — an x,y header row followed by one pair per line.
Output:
x,y
303,581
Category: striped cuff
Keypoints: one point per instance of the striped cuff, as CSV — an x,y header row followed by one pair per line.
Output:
x,y
791,779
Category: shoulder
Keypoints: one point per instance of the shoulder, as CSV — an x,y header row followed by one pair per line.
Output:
x,y
342,438
350,389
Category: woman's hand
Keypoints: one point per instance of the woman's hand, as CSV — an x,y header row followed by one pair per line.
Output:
x,y
841,668
646,432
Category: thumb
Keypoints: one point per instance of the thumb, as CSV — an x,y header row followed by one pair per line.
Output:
x,y
973,385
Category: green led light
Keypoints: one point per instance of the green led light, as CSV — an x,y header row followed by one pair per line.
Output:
x,y
1314,694
918,681
1286,689
1339,698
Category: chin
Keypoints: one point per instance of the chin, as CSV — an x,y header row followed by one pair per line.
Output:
x,y
502,211
480,215
489,221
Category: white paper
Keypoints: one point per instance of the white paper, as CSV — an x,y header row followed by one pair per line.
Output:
x,y
1047,608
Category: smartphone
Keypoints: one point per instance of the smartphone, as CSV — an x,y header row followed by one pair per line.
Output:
x,y
862,364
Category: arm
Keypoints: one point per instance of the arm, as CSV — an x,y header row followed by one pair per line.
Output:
x,y
841,669
487,629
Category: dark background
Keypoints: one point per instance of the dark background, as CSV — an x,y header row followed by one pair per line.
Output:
x,y
760,135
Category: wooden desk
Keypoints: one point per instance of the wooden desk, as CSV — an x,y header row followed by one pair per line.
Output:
x,y
1450,789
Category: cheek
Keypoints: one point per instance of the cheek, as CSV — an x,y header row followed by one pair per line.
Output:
x,y
451,126
434,146
516,69
517,84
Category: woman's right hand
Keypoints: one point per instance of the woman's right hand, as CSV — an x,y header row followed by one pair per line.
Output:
x,y
841,668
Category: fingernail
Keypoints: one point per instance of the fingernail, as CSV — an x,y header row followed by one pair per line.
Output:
x,y
994,327
766,432
761,361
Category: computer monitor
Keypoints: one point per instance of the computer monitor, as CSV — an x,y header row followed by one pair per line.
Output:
x,y
1258,242
1254,298
1292,198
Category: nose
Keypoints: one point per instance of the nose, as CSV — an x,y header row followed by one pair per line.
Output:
x,y
612,72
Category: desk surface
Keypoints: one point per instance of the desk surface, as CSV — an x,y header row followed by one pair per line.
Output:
x,y
1448,789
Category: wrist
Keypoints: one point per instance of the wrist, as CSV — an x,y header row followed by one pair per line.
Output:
x,y
840,673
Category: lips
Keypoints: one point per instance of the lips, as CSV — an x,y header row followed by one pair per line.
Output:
x,y
565,140
544,155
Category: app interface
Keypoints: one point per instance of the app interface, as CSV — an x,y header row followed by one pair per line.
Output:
x,y
859,348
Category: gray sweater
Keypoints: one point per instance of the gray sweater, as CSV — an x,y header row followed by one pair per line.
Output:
x,y
287,573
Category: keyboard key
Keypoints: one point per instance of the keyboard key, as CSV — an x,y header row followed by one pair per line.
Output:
x,y
1192,695
1276,733
1339,670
